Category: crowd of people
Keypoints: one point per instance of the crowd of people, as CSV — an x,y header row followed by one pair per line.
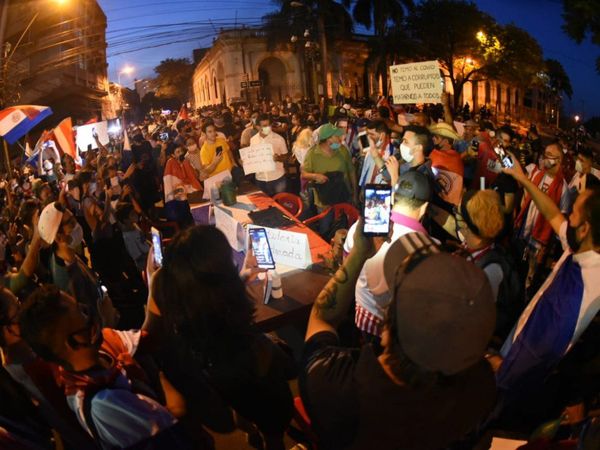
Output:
x,y
478,312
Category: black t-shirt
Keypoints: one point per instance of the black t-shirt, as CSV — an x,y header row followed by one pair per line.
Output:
x,y
504,184
353,404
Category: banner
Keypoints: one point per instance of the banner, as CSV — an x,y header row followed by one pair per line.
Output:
x,y
257,158
85,135
289,248
416,82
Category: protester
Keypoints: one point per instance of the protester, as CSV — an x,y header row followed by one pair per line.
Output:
x,y
432,360
179,182
561,310
412,193
274,181
215,150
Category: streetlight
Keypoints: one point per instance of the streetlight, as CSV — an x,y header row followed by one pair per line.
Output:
x,y
577,119
127,70
323,43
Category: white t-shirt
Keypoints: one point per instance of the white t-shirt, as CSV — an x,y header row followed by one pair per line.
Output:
x,y
279,148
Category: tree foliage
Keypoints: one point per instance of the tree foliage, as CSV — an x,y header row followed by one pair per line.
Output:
x,y
174,78
557,79
582,20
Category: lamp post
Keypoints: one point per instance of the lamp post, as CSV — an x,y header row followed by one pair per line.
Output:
x,y
127,70
323,42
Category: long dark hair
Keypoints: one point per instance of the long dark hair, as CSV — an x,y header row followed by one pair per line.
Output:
x,y
201,297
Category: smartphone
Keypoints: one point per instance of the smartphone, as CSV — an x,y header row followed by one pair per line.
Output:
x,y
377,209
219,150
164,136
261,248
364,139
504,157
157,246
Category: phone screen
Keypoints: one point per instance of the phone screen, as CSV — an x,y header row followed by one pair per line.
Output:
x,y
157,246
364,139
261,248
377,209
219,150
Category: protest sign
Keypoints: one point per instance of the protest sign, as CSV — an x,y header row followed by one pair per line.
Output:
x,y
231,228
85,135
289,248
257,158
416,82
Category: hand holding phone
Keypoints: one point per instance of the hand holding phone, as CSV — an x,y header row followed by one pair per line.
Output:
x,y
364,140
219,150
377,210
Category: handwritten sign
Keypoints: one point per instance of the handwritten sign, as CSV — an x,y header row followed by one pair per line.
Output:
x,y
416,82
231,228
214,181
289,248
257,158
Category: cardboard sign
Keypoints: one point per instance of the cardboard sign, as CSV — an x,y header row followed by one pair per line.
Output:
x,y
214,181
231,228
416,82
257,158
289,248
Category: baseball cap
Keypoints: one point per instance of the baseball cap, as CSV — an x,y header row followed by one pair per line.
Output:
x,y
329,130
444,130
442,326
414,185
49,222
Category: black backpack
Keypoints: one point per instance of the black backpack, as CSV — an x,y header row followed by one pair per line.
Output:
x,y
510,301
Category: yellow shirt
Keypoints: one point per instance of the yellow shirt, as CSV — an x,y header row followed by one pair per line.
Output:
x,y
209,151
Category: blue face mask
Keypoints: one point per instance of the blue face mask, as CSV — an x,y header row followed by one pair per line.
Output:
x,y
335,145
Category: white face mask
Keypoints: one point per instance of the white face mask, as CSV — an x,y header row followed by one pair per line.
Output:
x,y
549,164
579,166
405,152
266,130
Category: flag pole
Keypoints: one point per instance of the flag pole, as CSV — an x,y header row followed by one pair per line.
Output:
x,y
6,155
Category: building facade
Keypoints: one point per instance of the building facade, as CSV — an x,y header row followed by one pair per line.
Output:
x,y
240,67
60,60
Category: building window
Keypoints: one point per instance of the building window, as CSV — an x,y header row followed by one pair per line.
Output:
x,y
488,92
216,87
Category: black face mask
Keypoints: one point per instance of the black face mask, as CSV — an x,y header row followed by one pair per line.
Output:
x,y
572,238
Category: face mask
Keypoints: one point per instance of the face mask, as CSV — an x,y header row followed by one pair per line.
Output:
x,y
406,153
549,164
378,143
572,238
266,130
181,158
76,237
47,165
578,166
335,145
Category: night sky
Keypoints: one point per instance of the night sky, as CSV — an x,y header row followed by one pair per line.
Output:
x,y
137,25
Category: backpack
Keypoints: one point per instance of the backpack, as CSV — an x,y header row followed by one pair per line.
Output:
x,y
510,301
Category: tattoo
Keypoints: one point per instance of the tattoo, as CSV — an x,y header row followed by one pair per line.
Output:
x,y
327,297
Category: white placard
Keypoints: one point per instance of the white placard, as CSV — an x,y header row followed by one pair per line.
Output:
x,y
213,181
460,127
416,82
289,248
257,158
85,135
231,228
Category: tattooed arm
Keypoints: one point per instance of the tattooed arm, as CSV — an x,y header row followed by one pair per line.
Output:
x,y
333,301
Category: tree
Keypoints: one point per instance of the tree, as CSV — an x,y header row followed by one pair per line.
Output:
x,y
174,78
386,18
557,79
582,19
457,34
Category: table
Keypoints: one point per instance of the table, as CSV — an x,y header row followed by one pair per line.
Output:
x,y
300,287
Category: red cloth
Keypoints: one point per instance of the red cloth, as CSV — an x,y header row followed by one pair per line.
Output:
x,y
485,156
542,230
449,160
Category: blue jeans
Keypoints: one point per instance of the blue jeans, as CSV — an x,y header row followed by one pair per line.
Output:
x,y
272,187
